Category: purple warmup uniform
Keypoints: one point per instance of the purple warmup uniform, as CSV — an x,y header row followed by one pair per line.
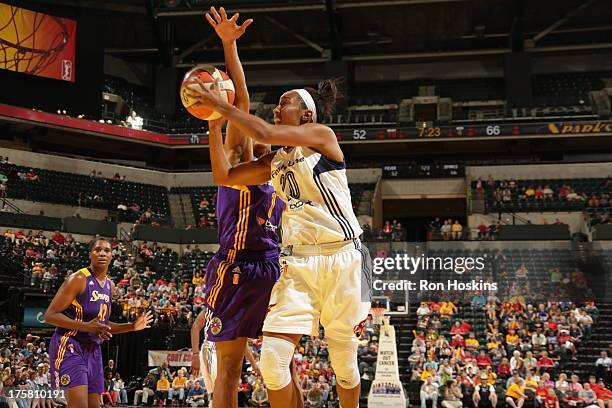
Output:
x,y
241,275
75,356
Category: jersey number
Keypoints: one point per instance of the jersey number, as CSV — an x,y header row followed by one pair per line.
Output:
x,y
288,182
102,312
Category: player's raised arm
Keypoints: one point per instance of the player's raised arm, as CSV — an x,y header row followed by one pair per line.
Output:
x,y
72,287
238,147
250,173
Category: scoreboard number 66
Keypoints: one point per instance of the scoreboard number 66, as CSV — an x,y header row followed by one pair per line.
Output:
x,y
493,130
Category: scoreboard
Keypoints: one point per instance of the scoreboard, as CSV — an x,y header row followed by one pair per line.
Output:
x,y
476,131
424,170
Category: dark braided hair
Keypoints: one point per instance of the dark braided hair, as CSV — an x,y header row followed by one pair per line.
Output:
x,y
325,97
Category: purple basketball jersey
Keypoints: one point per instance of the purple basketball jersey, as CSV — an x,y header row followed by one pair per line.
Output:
x,y
248,217
94,302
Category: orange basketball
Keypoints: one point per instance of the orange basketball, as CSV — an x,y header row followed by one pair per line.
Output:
x,y
207,74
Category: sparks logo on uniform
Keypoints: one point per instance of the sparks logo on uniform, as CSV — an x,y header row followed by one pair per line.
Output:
x,y
261,221
216,326
95,296
65,379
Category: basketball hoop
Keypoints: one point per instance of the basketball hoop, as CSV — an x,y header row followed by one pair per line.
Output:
x,y
30,41
377,315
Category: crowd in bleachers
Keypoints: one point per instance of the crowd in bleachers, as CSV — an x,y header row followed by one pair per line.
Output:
x,y
490,351
544,194
24,365
391,231
132,201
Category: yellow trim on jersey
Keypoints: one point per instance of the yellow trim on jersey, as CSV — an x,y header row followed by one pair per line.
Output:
x,y
64,341
223,267
272,204
242,227
85,272
245,220
238,187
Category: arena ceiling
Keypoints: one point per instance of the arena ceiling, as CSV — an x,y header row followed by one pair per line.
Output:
x,y
306,31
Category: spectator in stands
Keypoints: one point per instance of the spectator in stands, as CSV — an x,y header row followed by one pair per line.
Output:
x,y
547,193
457,230
314,397
604,395
483,231
387,230
538,340
603,365
522,273
119,389
588,396
429,392
178,387
545,362
162,388
109,393
446,230
398,232
484,395
452,395
196,396
435,225
148,390
515,394
483,361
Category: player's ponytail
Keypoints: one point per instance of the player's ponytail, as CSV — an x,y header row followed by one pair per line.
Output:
x,y
325,96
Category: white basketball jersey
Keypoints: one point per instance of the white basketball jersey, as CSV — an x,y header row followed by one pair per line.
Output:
x,y
317,198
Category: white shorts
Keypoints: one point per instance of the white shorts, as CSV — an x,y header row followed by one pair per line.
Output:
x,y
327,284
208,365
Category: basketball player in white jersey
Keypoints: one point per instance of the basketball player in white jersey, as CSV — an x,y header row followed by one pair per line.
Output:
x,y
325,278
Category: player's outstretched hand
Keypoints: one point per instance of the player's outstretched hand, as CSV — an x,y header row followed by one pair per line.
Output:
x,y
144,321
228,30
206,95
195,364
101,330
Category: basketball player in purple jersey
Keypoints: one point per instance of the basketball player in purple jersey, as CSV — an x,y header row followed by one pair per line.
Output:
x,y
80,311
240,277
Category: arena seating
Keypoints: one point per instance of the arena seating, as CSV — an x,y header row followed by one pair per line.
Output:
x,y
587,192
377,103
94,192
204,199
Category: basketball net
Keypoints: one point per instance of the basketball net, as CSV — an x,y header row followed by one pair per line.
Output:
x,y
18,44
378,314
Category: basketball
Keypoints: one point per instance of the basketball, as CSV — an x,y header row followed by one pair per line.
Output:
x,y
207,74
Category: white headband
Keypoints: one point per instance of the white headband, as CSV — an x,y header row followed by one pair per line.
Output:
x,y
309,101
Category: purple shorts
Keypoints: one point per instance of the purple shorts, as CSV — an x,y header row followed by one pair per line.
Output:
x,y
74,363
237,295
